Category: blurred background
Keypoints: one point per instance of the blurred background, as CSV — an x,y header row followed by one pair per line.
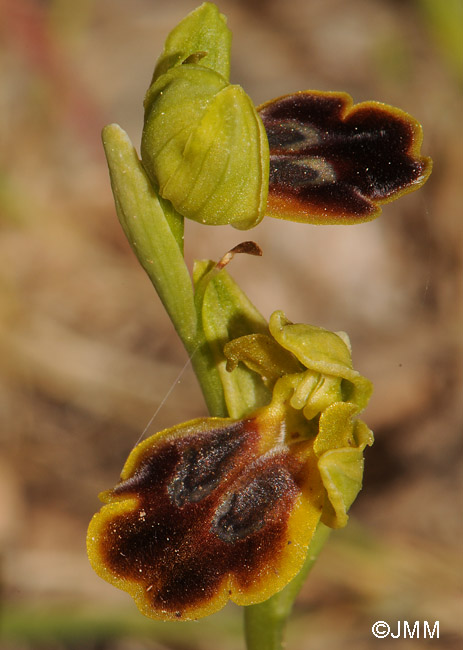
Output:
x,y
87,354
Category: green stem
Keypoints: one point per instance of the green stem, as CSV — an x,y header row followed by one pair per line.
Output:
x,y
207,375
265,622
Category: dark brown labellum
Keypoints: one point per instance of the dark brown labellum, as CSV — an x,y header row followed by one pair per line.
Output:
x,y
332,162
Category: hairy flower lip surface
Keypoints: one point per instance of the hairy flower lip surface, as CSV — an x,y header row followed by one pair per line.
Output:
x,y
182,543
333,161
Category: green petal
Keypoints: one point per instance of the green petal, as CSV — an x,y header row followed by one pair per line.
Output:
x,y
262,354
203,31
336,429
339,446
205,147
341,471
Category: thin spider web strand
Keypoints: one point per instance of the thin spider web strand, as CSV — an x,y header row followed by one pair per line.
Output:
x,y
166,397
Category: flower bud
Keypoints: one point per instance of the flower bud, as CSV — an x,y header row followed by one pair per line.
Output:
x,y
204,146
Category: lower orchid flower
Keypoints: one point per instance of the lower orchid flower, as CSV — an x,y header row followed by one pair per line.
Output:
x,y
220,508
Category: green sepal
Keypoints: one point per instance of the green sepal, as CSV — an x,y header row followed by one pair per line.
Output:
x,y
225,313
205,147
202,31
146,226
328,355
339,446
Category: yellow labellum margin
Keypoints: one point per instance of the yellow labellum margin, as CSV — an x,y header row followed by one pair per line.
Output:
x,y
207,511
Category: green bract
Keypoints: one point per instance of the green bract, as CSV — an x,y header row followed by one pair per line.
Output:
x,y
151,228
226,314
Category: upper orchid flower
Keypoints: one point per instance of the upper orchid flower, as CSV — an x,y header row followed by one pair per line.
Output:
x,y
206,148
311,156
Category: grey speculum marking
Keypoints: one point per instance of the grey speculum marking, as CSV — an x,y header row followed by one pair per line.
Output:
x,y
202,468
291,136
244,511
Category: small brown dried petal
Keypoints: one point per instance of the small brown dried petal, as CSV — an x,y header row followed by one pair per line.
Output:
x,y
332,162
